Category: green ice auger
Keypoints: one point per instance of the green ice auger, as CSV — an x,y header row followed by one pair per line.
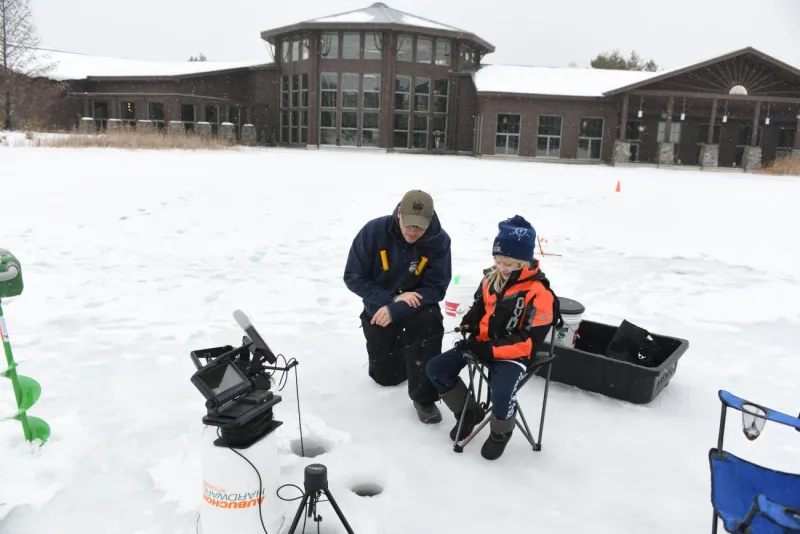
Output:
x,y
26,389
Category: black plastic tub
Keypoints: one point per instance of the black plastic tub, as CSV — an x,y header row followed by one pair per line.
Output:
x,y
588,368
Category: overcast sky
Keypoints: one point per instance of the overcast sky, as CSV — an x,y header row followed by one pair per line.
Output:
x,y
524,32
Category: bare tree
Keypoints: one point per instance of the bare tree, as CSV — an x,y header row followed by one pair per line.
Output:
x,y
18,50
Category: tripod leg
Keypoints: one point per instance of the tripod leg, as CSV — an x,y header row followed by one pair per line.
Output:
x,y
306,498
338,511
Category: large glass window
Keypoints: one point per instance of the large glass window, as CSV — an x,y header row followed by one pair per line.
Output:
x,y
507,136
155,113
402,106
404,47
295,49
373,44
675,130
439,118
443,48
424,49
422,106
329,46
371,103
294,109
422,95
590,138
286,50
349,133
329,87
351,45
548,138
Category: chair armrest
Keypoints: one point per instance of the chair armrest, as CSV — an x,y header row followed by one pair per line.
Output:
x,y
784,516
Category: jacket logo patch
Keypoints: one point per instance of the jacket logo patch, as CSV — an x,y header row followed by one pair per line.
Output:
x,y
517,314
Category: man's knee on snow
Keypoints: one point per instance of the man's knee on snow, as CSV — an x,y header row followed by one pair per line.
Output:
x,y
388,371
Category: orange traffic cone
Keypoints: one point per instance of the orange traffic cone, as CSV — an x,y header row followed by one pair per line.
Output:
x,y
617,186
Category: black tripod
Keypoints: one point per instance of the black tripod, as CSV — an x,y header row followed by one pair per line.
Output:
x,y
316,483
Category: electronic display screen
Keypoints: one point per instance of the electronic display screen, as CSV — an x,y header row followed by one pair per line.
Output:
x,y
223,378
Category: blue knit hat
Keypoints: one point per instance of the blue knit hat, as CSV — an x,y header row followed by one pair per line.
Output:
x,y
516,239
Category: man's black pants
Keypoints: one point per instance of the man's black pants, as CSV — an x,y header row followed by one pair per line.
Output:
x,y
401,351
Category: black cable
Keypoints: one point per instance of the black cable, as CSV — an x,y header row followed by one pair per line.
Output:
x,y
312,504
260,484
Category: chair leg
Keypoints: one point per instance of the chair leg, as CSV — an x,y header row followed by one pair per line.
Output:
x,y
456,446
538,445
473,368
524,428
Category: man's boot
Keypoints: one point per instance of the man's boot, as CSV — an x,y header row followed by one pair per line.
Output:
x,y
428,413
495,444
454,399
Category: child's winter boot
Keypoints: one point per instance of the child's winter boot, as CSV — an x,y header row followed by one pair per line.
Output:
x,y
495,444
454,399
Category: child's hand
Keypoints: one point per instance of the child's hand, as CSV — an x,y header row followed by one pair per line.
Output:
x,y
412,299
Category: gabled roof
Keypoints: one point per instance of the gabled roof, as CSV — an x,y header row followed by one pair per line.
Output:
x,y
75,66
705,63
553,81
377,16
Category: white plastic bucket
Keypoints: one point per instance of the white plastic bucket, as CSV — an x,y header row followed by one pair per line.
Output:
x,y
458,300
572,313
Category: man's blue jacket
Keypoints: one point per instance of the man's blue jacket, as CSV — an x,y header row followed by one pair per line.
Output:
x,y
382,264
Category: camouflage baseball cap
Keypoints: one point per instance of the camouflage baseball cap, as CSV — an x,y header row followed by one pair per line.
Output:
x,y
417,208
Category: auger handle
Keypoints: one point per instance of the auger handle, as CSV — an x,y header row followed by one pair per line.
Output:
x,y
10,273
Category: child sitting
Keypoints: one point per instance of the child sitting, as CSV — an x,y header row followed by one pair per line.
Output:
x,y
512,313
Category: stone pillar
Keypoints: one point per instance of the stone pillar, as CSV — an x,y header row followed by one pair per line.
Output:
x,y
114,125
751,159
86,125
227,134
666,153
176,128
709,155
622,151
145,127
249,135
203,129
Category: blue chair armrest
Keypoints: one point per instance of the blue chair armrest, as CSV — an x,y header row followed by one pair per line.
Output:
x,y
783,516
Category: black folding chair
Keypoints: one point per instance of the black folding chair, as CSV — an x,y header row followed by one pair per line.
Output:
x,y
474,365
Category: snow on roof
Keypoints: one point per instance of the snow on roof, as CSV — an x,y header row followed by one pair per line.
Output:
x,y
74,66
380,13
556,81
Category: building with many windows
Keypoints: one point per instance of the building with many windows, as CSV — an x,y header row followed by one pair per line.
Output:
x,y
379,78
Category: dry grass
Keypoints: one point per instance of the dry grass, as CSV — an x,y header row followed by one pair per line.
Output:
x,y
784,165
128,139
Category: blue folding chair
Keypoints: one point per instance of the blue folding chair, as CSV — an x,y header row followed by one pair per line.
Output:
x,y
749,498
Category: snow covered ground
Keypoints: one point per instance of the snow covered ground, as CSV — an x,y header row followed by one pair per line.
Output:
x,y
133,259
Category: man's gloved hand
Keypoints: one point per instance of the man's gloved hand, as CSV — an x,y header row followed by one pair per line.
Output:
x,y
481,349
